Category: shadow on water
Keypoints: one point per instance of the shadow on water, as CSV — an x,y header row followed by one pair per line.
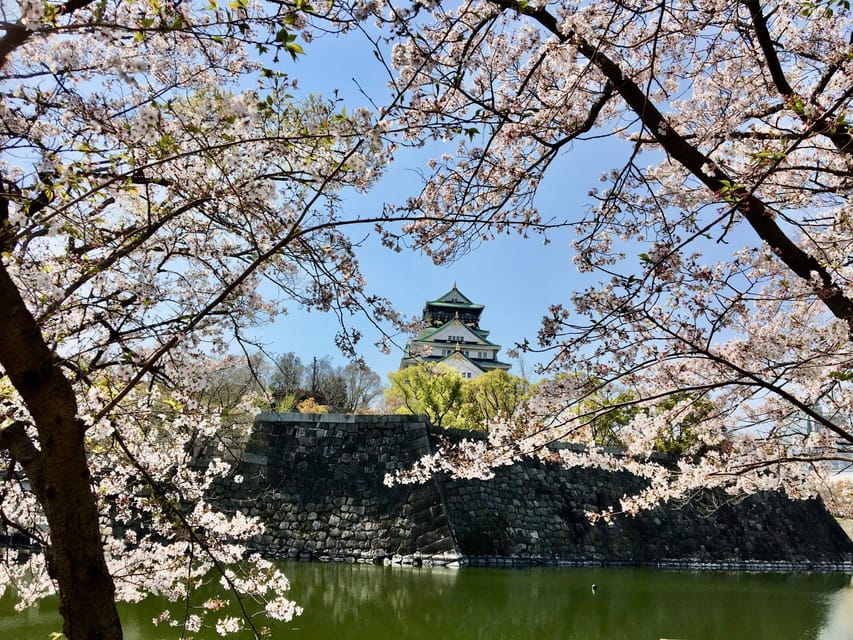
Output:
x,y
357,602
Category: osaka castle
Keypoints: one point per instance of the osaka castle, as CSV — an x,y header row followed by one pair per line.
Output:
x,y
452,336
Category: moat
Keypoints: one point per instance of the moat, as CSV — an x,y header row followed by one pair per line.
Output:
x,y
361,602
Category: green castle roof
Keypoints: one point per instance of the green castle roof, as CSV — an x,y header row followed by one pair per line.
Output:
x,y
447,300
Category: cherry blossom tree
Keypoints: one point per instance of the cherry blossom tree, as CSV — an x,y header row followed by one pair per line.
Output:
x,y
723,240
155,170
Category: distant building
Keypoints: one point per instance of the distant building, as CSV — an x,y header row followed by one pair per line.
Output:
x,y
452,336
842,467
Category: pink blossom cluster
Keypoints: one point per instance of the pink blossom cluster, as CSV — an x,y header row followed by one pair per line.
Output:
x,y
722,241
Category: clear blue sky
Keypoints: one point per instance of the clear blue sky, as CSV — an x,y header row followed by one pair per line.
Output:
x,y
515,279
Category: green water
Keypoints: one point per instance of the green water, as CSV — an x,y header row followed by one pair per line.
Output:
x,y
359,602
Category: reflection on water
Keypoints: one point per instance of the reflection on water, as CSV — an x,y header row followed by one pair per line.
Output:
x,y
838,624
558,603
359,602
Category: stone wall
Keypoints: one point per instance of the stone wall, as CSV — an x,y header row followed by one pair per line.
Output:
x,y
317,482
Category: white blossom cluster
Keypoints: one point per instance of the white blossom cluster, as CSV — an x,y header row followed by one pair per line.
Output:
x,y
159,176
32,12
736,172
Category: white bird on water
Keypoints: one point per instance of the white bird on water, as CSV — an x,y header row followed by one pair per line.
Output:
x,y
594,588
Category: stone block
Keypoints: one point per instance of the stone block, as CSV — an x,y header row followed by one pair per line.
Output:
x,y
316,481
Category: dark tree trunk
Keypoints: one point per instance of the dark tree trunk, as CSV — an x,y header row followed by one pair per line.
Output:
x,y
59,473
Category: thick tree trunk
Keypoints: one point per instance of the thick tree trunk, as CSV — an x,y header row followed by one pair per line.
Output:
x,y
86,589
59,474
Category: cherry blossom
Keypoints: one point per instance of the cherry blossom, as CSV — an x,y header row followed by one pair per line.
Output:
x,y
723,240
155,170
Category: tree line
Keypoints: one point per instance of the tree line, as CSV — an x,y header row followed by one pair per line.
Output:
x,y
285,383
451,401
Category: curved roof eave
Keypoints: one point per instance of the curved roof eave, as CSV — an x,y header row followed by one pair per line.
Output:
x,y
428,333
459,354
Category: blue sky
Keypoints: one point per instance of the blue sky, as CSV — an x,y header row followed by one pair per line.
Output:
x,y
515,279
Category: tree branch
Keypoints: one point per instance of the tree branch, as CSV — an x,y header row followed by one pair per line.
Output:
x,y
838,133
752,208
17,34
14,438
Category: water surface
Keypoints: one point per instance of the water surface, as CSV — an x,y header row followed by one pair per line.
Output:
x,y
359,602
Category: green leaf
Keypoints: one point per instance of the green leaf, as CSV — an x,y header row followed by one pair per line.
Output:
x,y
839,122
842,376
294,49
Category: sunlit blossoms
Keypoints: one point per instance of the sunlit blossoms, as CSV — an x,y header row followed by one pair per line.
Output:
x,y
723,320
229,624
155,169
32,12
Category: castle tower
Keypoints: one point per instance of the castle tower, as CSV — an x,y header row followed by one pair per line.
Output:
x,y
452,335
